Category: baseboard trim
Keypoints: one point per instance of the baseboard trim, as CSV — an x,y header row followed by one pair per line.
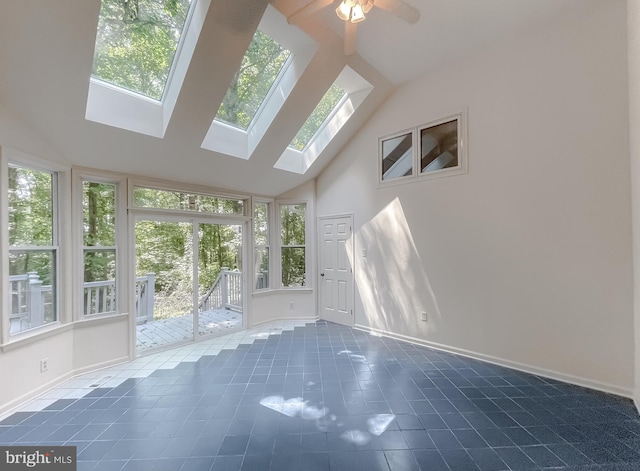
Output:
x,y
12,406
285,319
525,368
636,400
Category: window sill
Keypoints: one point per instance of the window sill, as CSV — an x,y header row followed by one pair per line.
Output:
x,y
94,319
35,335
271,292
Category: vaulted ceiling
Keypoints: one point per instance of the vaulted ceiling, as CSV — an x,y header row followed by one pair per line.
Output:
x,y
46,53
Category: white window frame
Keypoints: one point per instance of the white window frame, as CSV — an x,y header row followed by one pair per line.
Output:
x,y
307,234
235,142
357,89
61,196
417,174
271,208
115,106
80,176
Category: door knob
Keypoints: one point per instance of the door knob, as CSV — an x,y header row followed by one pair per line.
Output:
x,y
321,274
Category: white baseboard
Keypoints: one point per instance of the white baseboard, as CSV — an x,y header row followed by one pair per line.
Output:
x,y
565,378
636,400
285,319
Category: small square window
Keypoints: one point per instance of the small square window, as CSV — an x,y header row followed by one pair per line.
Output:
x,y
396,156
432,150
440,146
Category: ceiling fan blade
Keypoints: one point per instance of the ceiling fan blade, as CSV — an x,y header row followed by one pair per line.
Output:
x,y
307,10
401,9
349,38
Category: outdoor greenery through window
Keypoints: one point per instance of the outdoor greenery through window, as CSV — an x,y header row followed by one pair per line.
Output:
x,y
33,251
261,244
292,233
99,251
136,43
316,119
176,200
261,65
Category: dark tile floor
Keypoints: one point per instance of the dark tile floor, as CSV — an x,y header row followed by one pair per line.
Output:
x,y
327,397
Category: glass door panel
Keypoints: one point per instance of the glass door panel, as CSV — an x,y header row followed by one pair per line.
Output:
x,y
219,278
164,283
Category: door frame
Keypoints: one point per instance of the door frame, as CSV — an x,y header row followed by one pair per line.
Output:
x,y
193,219
351,247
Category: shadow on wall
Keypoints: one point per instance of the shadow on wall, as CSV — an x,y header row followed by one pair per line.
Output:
x,y
390,277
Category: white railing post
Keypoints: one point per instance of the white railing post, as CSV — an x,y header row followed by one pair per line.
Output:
x,y
36,308
224,280
151,292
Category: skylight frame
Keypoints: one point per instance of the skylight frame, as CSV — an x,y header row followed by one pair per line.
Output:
x,y
126,109
357,89
235,142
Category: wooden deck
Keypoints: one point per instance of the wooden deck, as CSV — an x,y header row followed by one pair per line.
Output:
x,y
178,329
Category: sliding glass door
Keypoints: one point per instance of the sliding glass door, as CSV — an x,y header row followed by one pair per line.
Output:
x,y
189,280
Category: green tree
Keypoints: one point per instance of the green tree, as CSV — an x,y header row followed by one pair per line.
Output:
x,y
260,67
31,222
292,235
136,42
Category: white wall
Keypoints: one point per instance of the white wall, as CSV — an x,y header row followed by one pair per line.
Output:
x,y
525,260
633,32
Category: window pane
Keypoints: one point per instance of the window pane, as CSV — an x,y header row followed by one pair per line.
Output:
x,y
261,244
261,65
261,224
292,221
175,200
397,156
32,284
439,147
293,266
262,267
99,281
30,207
99,214
320,114
136,43
99,265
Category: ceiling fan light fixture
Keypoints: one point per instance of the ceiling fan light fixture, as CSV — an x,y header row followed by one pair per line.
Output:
x,y
344,11
357,13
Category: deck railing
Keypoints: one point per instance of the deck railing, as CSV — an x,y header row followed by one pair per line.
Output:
x,y
226,292
32,303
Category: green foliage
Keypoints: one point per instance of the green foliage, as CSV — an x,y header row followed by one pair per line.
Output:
x,y
31,222
135,47
165,248
292,233
175,200
318,117
260,67
99,230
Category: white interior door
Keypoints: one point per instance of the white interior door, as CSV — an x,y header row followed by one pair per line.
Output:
x,y
336,273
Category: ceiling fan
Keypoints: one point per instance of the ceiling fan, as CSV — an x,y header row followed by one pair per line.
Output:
x,y
354,11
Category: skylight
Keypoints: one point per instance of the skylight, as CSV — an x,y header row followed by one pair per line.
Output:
x,y
336,107
320,114
261,66
136,43
275,61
